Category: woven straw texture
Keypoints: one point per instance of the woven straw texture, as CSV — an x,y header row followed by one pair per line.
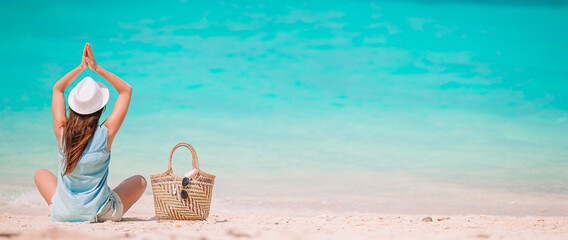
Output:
x,y
167,188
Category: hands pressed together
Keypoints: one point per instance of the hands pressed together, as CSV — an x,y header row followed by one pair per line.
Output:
x,y
88,59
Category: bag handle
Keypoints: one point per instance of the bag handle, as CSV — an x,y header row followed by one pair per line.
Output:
x,y
193,155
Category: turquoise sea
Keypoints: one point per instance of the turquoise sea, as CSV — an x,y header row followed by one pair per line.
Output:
x,y
394,106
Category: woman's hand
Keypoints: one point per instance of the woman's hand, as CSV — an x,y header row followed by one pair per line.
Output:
x,y
58,100
91,58
84,63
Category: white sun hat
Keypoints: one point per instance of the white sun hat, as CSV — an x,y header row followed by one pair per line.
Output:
x,y
88,96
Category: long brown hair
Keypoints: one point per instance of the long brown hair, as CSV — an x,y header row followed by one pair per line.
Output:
x,y
76,134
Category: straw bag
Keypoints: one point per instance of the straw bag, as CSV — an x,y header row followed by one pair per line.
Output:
x,y
182,198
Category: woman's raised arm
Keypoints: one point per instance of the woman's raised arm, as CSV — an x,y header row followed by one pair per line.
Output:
x,y
114,121
58,99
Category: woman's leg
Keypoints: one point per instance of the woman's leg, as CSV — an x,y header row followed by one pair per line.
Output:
x,y
46,183
130,191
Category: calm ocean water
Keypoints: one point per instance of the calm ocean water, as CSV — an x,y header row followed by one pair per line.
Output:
x,y
279,96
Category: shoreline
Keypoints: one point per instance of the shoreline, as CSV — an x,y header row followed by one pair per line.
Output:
x,y
31,203
377,193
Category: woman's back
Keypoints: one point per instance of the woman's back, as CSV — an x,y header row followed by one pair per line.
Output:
x,y
79,191
81,194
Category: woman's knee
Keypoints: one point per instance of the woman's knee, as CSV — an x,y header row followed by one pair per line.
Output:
x,y
46,183
140,181
41,173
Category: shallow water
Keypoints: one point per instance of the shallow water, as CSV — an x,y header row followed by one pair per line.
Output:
x,y
471,95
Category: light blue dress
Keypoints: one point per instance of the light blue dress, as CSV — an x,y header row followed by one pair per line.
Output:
x,y
83,193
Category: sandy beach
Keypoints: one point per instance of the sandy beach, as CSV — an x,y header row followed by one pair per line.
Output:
x,y
284,227
225,222
310,212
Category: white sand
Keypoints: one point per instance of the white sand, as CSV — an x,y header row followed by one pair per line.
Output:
x,y
460,214
241,221
283,227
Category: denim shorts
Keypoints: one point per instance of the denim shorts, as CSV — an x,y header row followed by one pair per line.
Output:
x,y
112,210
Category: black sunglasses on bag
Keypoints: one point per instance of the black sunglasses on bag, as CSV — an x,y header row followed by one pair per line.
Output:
x,y
184,183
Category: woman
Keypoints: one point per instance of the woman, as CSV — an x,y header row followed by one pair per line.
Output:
x,y
79,192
